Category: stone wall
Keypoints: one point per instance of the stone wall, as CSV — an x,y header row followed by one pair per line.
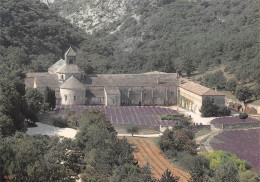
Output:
x,y
234,125
218,99
190,101
72,97
147,96
95,96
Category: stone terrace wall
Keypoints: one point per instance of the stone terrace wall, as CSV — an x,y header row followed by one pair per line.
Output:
x,y
234,126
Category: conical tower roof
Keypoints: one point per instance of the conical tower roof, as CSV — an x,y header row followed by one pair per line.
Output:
x,y
70,52
72,83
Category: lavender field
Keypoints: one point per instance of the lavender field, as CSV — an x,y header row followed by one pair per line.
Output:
x,y
139,115
230,120
244,143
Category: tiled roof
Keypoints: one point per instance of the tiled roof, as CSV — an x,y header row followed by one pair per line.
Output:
x,y
56,66
70,52
117,80
61,67
112,91
29,81
95,93
199,89
49,80
155,72
69,68
72,83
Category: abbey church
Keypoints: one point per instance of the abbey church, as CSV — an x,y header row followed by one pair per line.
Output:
x,y
75,87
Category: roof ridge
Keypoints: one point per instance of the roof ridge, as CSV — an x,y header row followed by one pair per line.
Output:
x,y
72,82
70,52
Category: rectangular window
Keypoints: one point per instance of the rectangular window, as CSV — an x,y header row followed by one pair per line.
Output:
x,y
66,97
74,98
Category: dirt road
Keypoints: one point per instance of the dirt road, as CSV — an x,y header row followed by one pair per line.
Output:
x,y
147,151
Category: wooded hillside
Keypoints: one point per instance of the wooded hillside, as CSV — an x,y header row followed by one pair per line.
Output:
x,y
162,35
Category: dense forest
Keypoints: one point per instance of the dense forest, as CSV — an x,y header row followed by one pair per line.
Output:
x,y
165,35
32,36
175,35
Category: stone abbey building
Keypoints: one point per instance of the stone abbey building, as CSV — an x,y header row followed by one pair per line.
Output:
x,y
74,87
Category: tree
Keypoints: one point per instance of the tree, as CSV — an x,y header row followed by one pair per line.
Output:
x,y
249,176
50,98
33,158
215,80
208,108
197,165
132,129
243,116
185,65
6,125
168,177
34,100
219,157
256,92
12,102
227,172
174,141
231,85
126,172
204,65
243,94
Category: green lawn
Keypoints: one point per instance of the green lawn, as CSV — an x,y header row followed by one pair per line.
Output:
x,y
201,133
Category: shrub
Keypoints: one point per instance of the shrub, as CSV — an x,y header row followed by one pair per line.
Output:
x,y
132,129
174,117
60,122
224,111
199,79
219,157
231,85
209,109
243,116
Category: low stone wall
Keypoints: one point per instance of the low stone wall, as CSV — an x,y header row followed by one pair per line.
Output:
x,y
216,126
234,126
197,128
241,125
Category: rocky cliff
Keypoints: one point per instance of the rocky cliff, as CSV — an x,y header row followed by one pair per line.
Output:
x,y
95,14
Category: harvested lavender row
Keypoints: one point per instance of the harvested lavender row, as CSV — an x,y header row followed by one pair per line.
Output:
x,y
243,143
139,115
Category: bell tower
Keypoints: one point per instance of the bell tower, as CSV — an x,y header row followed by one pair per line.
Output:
x,y
70,56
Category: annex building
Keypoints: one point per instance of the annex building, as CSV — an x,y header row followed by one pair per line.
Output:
x,y
74,87
192,94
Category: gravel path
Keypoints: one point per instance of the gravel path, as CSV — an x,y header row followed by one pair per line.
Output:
x,y
195,117
145,136
45,129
